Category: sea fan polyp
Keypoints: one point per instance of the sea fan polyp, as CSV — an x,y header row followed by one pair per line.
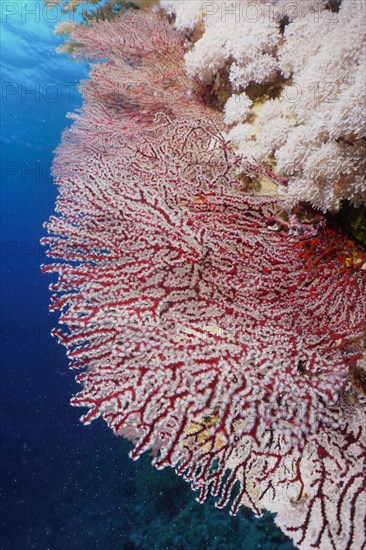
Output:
x,y
204,334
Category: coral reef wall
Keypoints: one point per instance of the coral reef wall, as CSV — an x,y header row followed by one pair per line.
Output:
x,y
224,338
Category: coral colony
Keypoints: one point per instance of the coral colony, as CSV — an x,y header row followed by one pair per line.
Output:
x,y
215,328
296,96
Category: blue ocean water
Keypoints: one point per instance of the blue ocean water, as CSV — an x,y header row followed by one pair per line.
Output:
x,y
65,486
47,457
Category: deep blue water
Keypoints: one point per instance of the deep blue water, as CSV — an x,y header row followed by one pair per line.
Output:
x,y
63,485
47,457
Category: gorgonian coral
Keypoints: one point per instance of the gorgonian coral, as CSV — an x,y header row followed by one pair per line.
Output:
x,y
225,339
295,76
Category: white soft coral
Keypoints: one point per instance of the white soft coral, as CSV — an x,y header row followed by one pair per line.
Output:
x,y
315,128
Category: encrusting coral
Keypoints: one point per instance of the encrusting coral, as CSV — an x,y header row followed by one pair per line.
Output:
x,y
223,337
293,78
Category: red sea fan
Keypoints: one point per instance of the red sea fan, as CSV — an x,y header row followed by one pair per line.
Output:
x,y
208,330
142,70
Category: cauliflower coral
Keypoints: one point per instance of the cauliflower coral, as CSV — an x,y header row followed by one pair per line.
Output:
x,y
291,76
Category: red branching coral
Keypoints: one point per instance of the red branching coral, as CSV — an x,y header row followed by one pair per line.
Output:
x,y
215,334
